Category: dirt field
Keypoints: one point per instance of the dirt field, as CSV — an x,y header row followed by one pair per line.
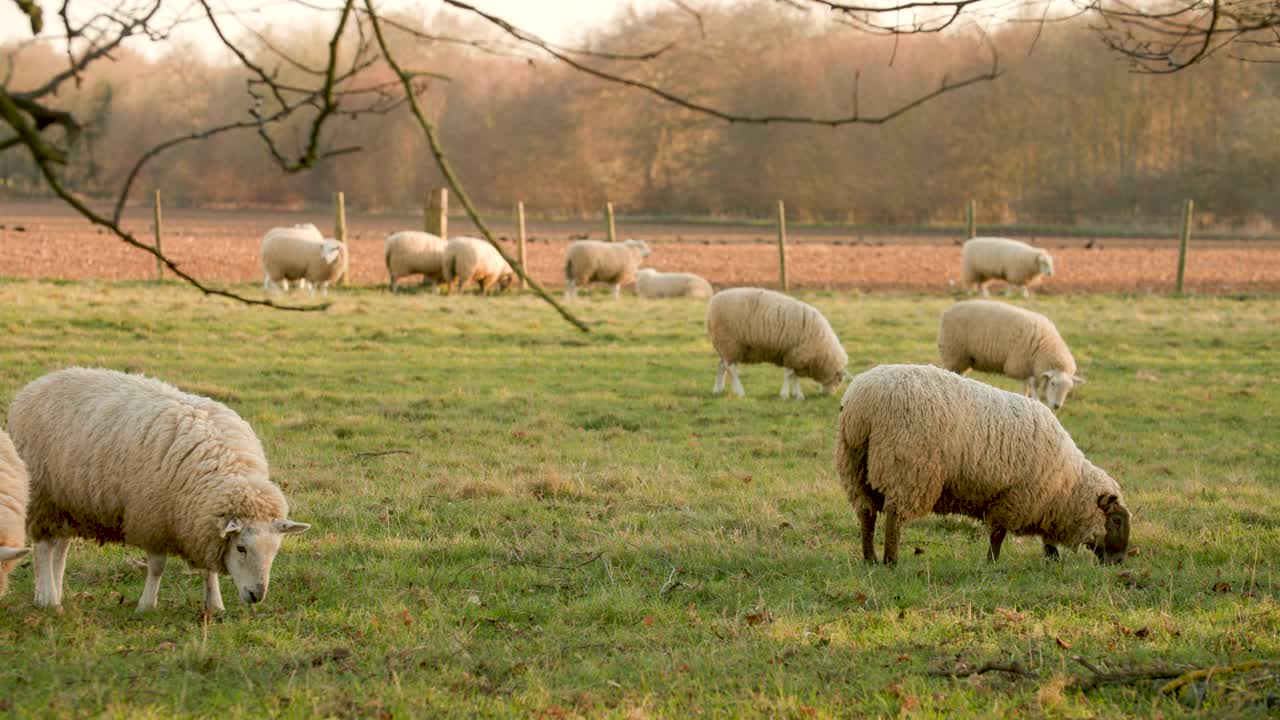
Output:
x,y
45,240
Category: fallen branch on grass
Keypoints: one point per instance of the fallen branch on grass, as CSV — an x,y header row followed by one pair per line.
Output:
x,y
380,453
1013,668
1205,673
1120,677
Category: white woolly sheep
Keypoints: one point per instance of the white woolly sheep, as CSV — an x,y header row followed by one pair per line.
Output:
x,y
915,439
468,259
995,337
588,261
1015,262
300,253
652,284
13,510
753,325
412,253
128,459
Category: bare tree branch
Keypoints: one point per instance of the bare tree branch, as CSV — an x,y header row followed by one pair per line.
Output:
x,y
428,129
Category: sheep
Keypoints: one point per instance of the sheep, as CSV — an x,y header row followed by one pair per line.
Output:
x,y
300,253
1017,263
652,284
753,325
589,261
915,439
994,337
412,253
13,510
468,259
124,458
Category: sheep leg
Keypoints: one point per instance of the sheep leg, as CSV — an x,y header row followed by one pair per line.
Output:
x,y
1026,293
155,568
982,289
570,290
786,384
892,530
51,563
737,383
617,291
719,386
212,592
394,288
868,518
1050,551
795,386
997,537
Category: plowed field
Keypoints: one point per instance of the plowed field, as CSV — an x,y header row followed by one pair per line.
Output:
x,y
45,240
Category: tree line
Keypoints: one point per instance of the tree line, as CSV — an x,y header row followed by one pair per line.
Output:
x,y
1067,133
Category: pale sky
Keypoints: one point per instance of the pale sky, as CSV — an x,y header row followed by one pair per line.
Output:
x,y
555,20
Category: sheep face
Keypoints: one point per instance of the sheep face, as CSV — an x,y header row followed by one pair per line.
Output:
x,y
1053,386
639,246
829,387
9,559
251,548
1046,264
1109,539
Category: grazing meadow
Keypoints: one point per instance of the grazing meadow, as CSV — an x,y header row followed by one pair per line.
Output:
x,y
513,518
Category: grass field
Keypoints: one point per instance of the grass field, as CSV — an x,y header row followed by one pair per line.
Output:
x,y
512,518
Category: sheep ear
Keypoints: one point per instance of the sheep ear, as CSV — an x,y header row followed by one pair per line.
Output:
x,y
289,527
233,526
1106,500
12,553
846,375
1046,374
1077,379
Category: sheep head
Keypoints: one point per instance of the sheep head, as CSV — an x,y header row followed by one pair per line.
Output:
x,y
1053,386
251,548
1110,542
1045,263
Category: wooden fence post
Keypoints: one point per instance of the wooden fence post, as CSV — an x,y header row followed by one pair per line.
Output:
x,y
435,213
520,240
1186,239
340,234
970,220
608,218
159,263
782,246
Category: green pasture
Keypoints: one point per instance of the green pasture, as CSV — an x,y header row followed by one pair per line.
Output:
x,y
513,518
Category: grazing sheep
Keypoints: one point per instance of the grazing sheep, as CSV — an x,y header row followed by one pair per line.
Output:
x,y
1017,263
468,259
412,253
915,439
300,253
752,325
127,459
13,510
588,261
652,284
995,337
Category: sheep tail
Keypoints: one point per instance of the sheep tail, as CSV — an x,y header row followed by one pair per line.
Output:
x,y
851,456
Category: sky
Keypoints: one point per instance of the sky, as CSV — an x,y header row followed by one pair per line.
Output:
x,y
554,20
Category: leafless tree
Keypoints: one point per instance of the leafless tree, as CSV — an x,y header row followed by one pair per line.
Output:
x,y
1172,35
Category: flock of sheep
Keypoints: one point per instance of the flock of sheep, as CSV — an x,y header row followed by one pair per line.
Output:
x,y
112,457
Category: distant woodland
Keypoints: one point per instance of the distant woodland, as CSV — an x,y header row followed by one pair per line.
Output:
x,y
1067,134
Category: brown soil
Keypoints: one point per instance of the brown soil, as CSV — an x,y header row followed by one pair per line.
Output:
x,y
46,240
